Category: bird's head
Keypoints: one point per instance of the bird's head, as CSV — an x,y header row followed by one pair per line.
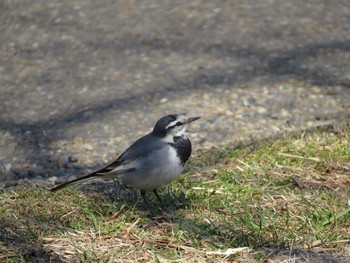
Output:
x,y
172,125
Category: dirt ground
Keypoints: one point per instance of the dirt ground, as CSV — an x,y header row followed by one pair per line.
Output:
x,y
80,80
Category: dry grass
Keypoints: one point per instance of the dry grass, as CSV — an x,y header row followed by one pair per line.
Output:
x,y
284,200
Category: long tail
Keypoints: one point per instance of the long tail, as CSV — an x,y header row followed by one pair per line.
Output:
x,y
88,177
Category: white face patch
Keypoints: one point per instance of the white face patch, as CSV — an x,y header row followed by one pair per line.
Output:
x,y
173,123
180,118
177,127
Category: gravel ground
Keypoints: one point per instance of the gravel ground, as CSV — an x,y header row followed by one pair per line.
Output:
x,y
80,80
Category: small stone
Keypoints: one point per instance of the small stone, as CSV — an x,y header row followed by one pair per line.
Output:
x,y
25,165
261,110
59,143
284,113
118,139
72,159
202,135
8,167
288,121
238,111
246,114
62,162
72,177
24,174
88,146
60,180
31,173
52,179
221,110
78,142
88,113
163,100
249,101
229,113
206,96
274,115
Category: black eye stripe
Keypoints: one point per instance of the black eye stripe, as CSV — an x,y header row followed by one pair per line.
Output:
x,y
176,124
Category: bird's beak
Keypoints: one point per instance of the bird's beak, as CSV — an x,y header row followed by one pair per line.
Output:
x,y
192,119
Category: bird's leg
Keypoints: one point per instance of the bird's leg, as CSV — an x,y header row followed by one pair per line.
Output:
x,y
160,200
143,194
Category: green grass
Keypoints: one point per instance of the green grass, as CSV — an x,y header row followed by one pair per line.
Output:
x,y
286,194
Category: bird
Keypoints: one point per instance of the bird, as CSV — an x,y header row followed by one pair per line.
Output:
x,y
151,162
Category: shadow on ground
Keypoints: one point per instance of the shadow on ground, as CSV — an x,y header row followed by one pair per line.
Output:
x,y
274,65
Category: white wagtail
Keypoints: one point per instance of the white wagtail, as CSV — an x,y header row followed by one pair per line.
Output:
x,y
152,161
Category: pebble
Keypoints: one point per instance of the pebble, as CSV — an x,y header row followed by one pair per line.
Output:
x,y
52,179
72,177
261,110
88,146
62,162
249,101
60,180
72,159
7,167
163,100
25,165
275,115
284,113
202,134
206,96
24,174
229,113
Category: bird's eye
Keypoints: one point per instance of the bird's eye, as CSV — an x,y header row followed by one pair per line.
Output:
x,y
178,123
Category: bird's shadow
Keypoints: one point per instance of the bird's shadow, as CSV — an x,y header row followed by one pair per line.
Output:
x,y
126,198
